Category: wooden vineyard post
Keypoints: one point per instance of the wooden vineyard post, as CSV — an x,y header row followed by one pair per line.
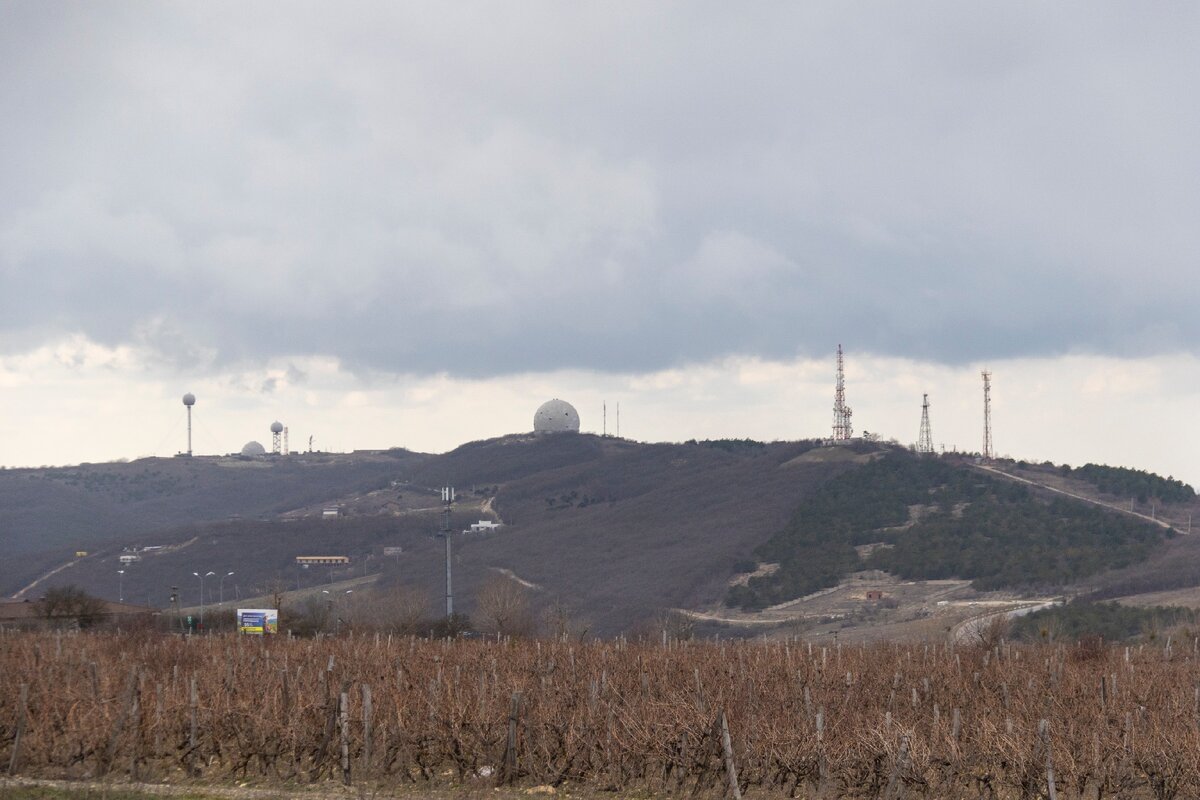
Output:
x,y
822,765
135,723
510,748
344,729
193,702
1044,730
366,693
892,792
128,709
727,750
22,713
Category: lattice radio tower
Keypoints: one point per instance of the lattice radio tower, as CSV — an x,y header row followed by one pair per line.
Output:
x,y
987,415
843,431
925,439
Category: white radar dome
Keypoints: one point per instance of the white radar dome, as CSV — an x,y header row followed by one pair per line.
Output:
x,y
189,399
556,416
253,449
276,427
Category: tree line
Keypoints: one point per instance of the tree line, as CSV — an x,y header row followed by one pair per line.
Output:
x,y
1125,482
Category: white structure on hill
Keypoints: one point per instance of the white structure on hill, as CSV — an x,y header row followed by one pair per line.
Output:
x,y
253,449
556,416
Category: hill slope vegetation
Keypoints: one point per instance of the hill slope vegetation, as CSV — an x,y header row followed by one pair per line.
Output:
x,y
926,518
615,531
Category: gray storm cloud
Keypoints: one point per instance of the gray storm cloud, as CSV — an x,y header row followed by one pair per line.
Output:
x,y
484,190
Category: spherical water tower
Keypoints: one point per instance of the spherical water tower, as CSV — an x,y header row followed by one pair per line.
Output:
x,y
189,400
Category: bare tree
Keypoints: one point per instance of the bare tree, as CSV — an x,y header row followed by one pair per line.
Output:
x,y
403,610
70,604
559,621
502,606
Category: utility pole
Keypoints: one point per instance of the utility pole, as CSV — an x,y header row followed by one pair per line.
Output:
x,y
448,500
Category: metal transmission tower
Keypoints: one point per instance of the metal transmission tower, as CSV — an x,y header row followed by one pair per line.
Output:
x,y
925,439
448,499
276,430
843,431
987,415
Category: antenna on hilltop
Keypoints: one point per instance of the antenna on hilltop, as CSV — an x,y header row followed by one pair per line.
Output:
x,y
987,415
285,440
605,419
189,400
276,430
925,439
843,431
448,499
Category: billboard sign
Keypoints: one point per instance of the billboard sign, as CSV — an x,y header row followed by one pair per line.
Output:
x,y
258,621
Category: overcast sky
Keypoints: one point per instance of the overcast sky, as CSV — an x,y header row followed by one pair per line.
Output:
x,y
411,223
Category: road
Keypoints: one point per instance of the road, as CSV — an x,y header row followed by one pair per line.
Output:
x,y
971,625
1160,523
52,572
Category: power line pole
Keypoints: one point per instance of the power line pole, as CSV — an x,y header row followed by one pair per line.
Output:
x,y
925,438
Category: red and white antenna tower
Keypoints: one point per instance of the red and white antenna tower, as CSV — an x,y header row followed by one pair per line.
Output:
x,y
925,439
843,431
987,415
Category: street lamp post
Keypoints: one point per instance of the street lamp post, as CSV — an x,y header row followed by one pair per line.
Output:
x,y
337,620
202,577
221,588
121,585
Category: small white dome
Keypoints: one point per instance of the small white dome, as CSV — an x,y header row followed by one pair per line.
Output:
x,y
556,416
253,449
276,427
189,399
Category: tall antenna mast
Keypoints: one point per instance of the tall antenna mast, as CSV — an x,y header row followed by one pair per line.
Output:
x,y
285,440
189,400
925,439
606,418
618,419
276,430
987,415
448,499
843,431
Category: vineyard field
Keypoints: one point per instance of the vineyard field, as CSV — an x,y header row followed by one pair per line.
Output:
x,y
753,718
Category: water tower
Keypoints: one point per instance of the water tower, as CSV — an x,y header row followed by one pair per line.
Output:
x,y
276,430
189,400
